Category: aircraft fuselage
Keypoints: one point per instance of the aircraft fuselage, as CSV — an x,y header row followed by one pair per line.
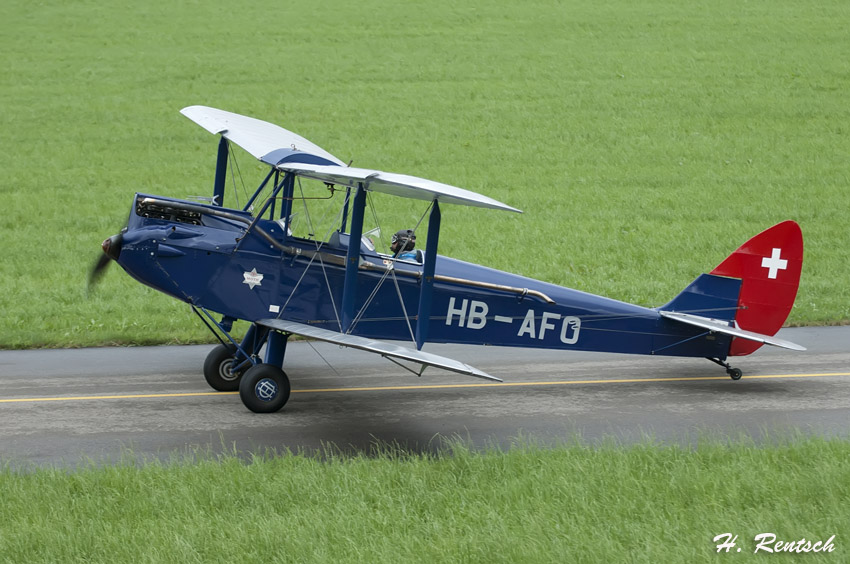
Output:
x,y
217,259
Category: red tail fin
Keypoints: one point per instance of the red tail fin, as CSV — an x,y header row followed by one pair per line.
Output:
x,y
769,266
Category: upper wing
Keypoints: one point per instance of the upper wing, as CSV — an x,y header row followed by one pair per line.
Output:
x,y
401,185
261,139
720,327
371,345
289,151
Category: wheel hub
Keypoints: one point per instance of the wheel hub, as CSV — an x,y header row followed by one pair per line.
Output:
x,y
226,372
266,389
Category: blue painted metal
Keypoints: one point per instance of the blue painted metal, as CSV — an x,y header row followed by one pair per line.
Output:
x,y
220,172
259,189
227,323
251,344
242,354
269,204
426,291
288,194
276,348
352,259
710,296
280,156
680,343
345,210
277,183
253,340
164,251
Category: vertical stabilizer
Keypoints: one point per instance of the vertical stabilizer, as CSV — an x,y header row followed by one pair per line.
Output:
x,y
769,267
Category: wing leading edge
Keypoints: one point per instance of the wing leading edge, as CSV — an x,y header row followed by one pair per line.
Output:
x,y
380,347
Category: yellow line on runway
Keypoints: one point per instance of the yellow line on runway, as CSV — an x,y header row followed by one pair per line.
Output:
x,y
562,383
435,387
128,396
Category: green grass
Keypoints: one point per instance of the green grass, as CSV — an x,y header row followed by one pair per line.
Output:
x,y
606,503
644,141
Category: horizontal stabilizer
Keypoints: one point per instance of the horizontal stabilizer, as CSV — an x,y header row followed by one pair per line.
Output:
x,y
721,327
382,348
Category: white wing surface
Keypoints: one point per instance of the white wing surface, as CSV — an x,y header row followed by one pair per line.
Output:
x,y
401,185
371,345
257,137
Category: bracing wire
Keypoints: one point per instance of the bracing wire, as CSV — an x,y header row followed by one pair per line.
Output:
x,y
231,157
310,227
390,272
374,215
323,358
319,245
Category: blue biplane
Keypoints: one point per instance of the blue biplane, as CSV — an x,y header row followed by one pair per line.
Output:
x,y
249,264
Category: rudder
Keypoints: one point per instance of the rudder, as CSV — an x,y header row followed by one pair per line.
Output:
x,y
769,267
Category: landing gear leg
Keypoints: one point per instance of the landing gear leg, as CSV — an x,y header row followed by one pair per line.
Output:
x,y
265,387
225,364
734,373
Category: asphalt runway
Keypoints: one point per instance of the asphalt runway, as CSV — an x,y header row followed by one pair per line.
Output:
x,y
67,407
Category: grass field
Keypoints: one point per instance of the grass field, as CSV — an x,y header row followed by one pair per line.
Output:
x,y
643,503
643,141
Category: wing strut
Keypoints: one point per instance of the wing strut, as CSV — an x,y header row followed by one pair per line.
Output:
x,y
352,260
426,289
220,172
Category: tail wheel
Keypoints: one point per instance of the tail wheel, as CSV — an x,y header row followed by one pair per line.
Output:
x,y
264,388
734,373
218,369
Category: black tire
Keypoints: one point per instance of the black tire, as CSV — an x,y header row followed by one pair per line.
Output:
x,y
217,369
735,373
264,388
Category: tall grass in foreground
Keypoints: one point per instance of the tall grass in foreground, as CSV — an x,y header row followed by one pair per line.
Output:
x,y
575,503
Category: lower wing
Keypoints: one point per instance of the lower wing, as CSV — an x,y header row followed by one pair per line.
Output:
x,y
382,348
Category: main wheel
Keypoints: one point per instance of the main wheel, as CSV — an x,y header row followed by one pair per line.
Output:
x,y
735,373
218,369
264,388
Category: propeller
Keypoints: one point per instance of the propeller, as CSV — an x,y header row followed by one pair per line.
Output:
x,y
111,250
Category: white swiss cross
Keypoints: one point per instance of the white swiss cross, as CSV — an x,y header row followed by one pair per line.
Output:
x,y
774,264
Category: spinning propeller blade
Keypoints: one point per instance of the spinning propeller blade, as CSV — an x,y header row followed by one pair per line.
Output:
x,y
111,250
